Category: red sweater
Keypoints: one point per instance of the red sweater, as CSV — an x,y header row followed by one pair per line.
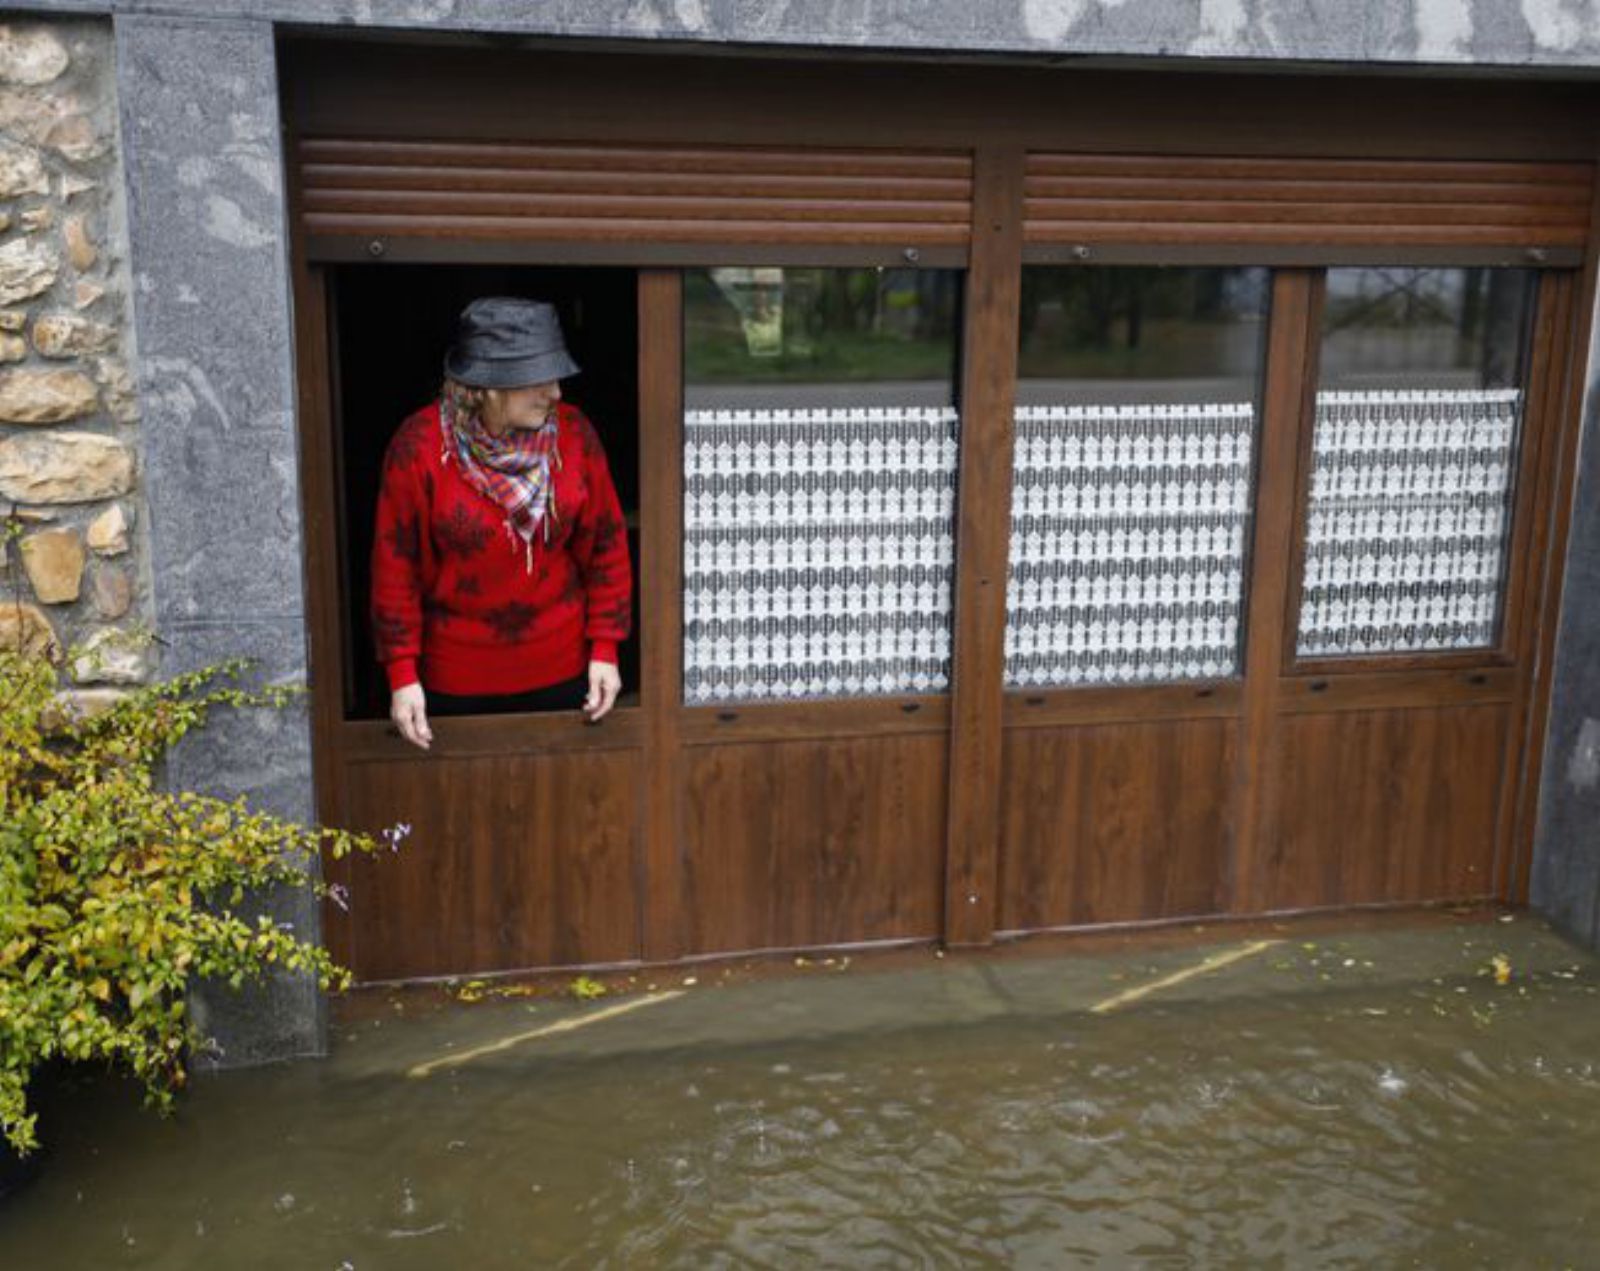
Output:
x,y
453,603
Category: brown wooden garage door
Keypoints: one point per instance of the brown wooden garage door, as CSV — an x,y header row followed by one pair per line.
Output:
x,y
1233,487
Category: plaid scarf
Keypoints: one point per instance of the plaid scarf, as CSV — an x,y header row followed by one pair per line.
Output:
x,y
515,470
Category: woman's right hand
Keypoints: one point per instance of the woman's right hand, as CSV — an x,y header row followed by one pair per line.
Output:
x,y
408,707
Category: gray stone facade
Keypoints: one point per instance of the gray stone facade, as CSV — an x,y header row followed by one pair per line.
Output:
x,y
78,575
216,538
1566,858
1502,33
208,239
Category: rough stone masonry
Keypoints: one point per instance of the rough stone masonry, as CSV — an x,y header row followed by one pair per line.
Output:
x,y
77,578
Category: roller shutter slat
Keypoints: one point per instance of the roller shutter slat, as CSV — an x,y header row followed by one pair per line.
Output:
x,y
621,229
537,207
634,158
1120,232
1180,167
354,177
1522,194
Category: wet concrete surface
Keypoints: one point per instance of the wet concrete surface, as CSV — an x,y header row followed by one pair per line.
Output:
x,y
1398,1090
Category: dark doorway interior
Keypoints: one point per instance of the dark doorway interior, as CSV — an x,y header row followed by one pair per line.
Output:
x,y
392,324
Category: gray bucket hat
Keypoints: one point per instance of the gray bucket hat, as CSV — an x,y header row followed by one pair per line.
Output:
x,y
507,342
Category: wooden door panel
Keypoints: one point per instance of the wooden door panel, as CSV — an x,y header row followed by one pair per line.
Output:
x,y
513,861
1114,823
1385,806
802,843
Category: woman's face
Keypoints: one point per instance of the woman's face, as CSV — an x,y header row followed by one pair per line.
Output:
x,y
525,407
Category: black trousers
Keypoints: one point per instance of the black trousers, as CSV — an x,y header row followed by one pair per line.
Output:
x,y
568,695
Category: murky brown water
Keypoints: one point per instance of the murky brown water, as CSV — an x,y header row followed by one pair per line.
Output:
x,y
1335,1111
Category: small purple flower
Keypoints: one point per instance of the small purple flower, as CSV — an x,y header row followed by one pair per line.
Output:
x,y
340,895
392,835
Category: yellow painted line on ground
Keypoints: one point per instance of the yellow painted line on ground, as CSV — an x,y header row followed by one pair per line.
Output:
x,y
560,1026
1212,963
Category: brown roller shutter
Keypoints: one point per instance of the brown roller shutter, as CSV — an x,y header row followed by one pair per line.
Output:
x,y
567,193
1099,200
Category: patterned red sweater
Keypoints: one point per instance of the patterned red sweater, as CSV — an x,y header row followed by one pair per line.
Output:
x,y
453,603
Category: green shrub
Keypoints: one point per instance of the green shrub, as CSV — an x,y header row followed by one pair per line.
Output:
x,y
116,894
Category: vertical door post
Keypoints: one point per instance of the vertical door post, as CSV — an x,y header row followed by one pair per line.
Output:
x,y
1272,604
983,530
659,610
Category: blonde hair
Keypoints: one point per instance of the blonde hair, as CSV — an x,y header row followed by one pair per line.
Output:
x,y
466,401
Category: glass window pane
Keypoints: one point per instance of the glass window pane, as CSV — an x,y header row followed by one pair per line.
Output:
x,y
1131,500
820,438
1417,418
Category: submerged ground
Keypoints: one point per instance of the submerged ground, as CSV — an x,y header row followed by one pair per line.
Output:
x,y
1408,1091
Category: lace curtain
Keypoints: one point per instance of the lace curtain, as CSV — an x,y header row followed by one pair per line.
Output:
x,y
818,552
1127,543
1410,503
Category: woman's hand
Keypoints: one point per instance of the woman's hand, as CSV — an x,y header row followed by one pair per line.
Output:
x,y
409,710
605,682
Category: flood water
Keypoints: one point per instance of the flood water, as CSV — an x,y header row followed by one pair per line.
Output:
x,y
1367,1100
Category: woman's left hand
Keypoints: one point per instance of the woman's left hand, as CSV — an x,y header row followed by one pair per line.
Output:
x,y
605,682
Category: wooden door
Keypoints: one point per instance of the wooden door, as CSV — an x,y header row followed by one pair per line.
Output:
x,y
525,831
1152,402
1395,712
1280,773
1195,753
695,820
1359,736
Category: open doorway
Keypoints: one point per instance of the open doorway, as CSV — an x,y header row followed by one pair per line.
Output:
x,y
391,326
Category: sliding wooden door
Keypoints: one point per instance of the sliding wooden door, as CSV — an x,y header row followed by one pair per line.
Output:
x,y
1045,518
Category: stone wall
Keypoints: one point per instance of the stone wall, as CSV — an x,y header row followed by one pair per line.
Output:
x,y
208,237
78,575
1477,33
1566,856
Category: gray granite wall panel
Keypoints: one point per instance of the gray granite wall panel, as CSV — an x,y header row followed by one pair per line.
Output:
x,y
1485,33
1566,860
208,246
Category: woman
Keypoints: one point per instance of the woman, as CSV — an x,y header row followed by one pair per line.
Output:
x,y
500,573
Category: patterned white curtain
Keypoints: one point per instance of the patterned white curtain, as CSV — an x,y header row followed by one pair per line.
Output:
x,y
818,552
1127,543
1410,503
